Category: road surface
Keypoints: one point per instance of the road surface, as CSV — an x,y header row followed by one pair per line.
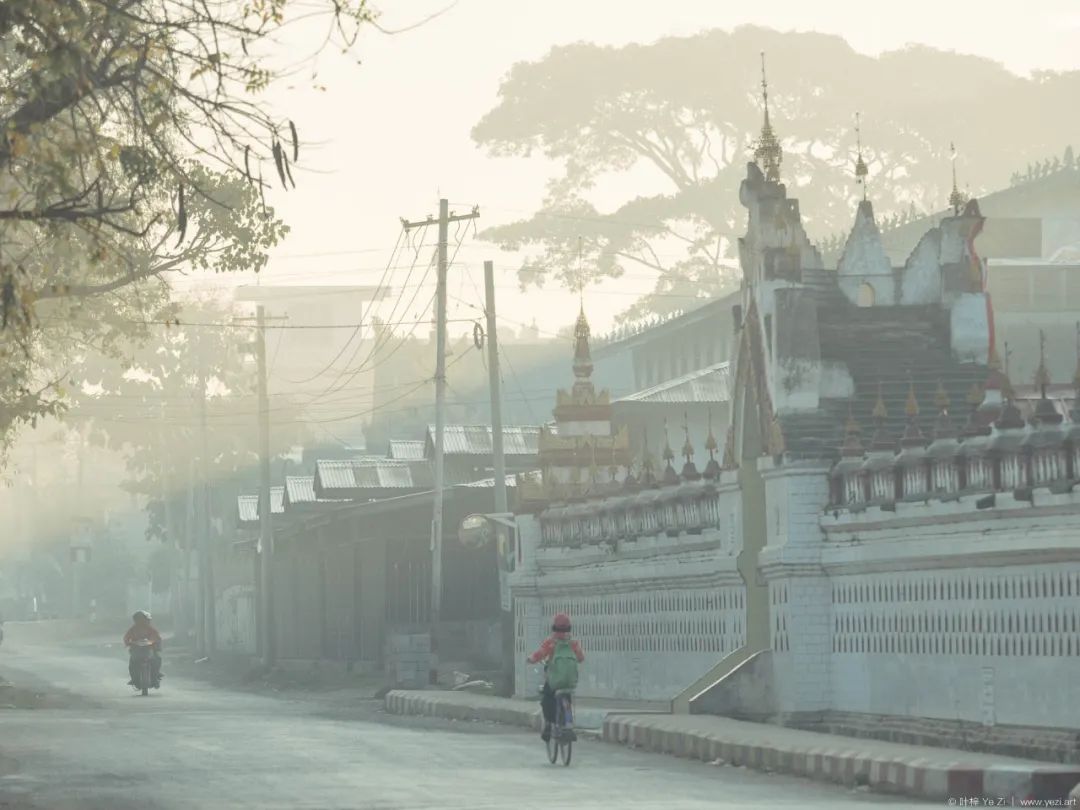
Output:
x,y
96,745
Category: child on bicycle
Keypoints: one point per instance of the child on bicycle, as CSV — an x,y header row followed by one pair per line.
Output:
x,y
561,656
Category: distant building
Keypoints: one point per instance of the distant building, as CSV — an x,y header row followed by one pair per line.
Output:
x,y
315,345
674,346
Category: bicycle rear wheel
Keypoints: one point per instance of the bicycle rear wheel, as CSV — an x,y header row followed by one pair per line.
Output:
x,y
567,751
553,747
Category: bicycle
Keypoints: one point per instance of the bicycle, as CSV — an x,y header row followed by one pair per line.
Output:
x,y
561,741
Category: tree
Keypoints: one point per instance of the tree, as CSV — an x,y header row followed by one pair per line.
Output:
x,y
78,303
128,92
133,144
681,116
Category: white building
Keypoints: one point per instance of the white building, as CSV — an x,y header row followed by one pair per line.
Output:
x,y
921,585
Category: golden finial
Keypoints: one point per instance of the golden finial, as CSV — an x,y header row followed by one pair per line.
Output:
x,y
583,365
1007,389
768,153
712,446
861,169
941,398
880,412
687,448
975,395
1042,374
956,199
852,442
669,454
911,407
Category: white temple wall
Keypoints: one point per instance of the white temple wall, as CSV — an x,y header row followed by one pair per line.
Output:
x,y
943,612
653,613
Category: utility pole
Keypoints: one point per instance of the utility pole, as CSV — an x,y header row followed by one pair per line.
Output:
x,y
496,396
266,536
506,616
267,643
445,218
179,584
206,560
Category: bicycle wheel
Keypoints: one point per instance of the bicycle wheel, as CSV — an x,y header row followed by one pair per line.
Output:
x,y
567,750
553,747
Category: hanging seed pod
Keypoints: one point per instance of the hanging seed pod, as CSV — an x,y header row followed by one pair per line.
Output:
x,y
288,171
181,217
279,162
295,142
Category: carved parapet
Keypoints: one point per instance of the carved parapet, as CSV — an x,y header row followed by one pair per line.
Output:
x,y
691,507
1002,461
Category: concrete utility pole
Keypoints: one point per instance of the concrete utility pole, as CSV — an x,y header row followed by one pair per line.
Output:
x,y
506,617
445,218
266,535
496,396
208,630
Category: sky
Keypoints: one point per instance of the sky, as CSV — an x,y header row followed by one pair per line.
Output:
x,y
389,136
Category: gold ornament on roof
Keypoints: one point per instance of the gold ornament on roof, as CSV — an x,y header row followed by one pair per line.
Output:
x,y
861,169
1042,374
710,441
768,153
956,198
880,412
911,407
941,397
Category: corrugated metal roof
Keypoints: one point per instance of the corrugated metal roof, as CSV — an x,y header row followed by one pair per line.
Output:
x,y
371,473
247,506
475,440
489,483
710,384
406,449
299,489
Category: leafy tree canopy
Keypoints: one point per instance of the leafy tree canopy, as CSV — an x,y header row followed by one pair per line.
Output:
x,y
681,117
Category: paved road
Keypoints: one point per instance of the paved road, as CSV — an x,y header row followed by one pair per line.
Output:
x,y
194,746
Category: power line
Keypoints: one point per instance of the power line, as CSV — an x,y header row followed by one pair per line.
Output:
x,y
363,315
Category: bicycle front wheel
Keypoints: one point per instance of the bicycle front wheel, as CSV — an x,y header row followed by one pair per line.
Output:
x,y
567,750
553,747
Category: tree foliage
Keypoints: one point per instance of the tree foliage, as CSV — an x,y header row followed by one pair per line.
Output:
x,y
81,303
134,144
147,408
679,118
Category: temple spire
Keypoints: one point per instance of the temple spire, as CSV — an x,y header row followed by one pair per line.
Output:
x,y
861,169
1045,412
768,153
583,365
712,469
689,470
956,198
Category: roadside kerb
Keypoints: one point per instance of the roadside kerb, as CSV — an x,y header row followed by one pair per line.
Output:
x,y
459,706
842,760
917,776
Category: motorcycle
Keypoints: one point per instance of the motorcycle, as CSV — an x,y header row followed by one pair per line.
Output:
x,y
142,652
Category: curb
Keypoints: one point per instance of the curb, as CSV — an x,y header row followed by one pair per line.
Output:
x,y
436,705
919,778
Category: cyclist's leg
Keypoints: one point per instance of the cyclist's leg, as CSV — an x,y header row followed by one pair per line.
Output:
x,y
547,706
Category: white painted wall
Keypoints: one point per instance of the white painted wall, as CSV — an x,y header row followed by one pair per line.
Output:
x,y
943,611
653,614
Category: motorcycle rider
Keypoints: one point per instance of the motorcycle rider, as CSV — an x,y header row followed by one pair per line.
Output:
x,y
143,630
